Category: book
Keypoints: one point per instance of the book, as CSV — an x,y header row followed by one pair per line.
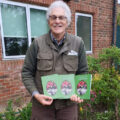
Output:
x,y
64,86
67,86
83,85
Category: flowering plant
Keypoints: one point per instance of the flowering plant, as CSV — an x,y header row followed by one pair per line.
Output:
x,y
105,94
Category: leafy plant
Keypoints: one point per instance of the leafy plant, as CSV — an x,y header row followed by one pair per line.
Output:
x,y
105,95
109,85
107,115
25,113
11,114
1,116
94,66
110,57
118,19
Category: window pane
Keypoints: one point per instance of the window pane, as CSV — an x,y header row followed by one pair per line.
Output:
x,y
84,30
38,21
14,29
14,21
15,46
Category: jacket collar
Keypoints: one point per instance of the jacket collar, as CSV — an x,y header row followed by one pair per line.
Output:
x,y
55,41
65,46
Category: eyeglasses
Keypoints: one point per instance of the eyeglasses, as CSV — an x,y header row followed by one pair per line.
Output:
x,y
53,17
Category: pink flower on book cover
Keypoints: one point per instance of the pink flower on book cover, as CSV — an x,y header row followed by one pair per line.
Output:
x,y
82,88
51,88
66,87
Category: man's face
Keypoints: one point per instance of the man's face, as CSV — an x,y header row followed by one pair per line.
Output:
x,y
58,21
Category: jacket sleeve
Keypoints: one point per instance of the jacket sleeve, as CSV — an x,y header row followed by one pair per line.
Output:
x,y
29,68
82,60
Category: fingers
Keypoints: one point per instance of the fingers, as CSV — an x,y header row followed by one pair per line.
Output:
x,y
47,100
75,98
44,100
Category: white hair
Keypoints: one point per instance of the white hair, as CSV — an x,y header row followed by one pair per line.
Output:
x,y
60,4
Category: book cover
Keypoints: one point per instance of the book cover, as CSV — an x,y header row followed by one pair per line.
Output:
x,y
50,85
67,86
83,85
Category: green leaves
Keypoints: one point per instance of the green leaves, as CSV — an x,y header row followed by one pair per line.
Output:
x,y
110,55
118,19
108,58
11,114
94,65
25,113
106,83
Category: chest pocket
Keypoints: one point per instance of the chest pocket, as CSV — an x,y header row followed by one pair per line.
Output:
x,y
44,61
70,63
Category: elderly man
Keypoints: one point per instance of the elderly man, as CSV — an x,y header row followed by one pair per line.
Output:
x,y
54,53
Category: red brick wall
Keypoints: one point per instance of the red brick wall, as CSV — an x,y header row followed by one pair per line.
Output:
x,y
10,76
10,80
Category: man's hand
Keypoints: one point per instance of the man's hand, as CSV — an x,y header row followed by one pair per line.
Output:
x,y
75,98
44,100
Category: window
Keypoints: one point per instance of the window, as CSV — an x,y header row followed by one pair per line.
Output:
x,y
14,29
38,22
84,29
118,1
20,24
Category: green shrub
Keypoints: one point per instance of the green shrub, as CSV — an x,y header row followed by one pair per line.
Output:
x,y
107,88
25,113
94,65
118,19
107,115
11,114
105,94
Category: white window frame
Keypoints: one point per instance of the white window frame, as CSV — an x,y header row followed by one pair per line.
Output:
x,y
86,15
27,8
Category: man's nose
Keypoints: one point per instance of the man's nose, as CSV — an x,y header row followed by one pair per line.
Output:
x,y
57,20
